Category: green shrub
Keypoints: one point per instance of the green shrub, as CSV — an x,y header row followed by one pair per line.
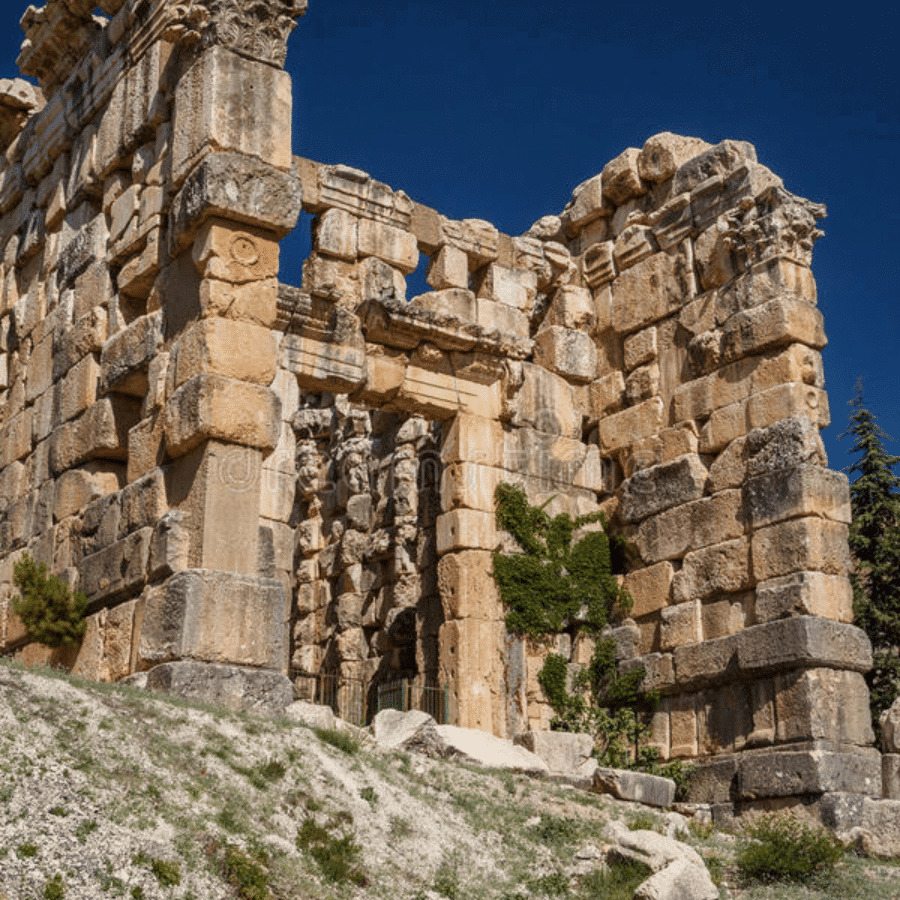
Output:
x,y
336,856
368,794
245,875
345,742
446,882
557,833
55,888
51,613
642,822
167,873
782,847
618,880
27,851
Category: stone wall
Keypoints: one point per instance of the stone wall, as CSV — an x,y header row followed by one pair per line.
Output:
x,y
250,479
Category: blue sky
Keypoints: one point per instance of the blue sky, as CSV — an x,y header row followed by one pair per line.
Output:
x,y
498,109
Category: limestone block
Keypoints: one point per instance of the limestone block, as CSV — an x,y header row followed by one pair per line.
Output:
x,y
545,402
717,160
471,662
805,594
598,265
656,488
475,439
890,776
479,239
239,350
605,395
634,243
146,446
800,545
229,103
503,318
623,428
211,406
789,442
640,348
664,447
718,568
515,288
586,204
680,625
794,773
572,307
548,458
467,587
712,254
672,533
806,490
803,642
459,303
213,483
238,188
823,704
78,389
336,233
683,725
469,485
216,617
642,384
118,569
118,633
169,546
392,245
778,322
277,495
648,291
621,180
449,268
593,474
126,356
440,395
76,488
40,369
463,529
143,502
15,437
337,367
650,588
724,617
233,253
729,468
664,153
879,833
101,432
565,753
571,354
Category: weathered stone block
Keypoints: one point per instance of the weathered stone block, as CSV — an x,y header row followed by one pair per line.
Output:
x,y
806,490
572,307
169,546
800,545
126,356
803,642
239,350
605,395
117,570
449,268
76,488
670,534
621,179
571,354
680,625
546,402
469,485
794,773
463,529
823,704
235,253
649,588
890,776
467,586
101,432
392,245
230,686
720,568
640,348
649,291
630,425
664,153
337,234
789,442
707,662
211,406
472,439
216,617
805,594
656,488
772,324
143,502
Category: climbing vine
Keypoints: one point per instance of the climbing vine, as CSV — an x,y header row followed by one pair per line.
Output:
x,y
555,581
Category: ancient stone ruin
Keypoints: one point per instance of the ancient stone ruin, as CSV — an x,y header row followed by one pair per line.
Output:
x,y
254,481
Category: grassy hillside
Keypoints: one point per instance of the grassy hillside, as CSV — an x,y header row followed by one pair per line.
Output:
x,y
112,792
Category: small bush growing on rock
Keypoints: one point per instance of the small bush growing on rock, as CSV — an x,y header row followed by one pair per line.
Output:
x,y
51,612
782,847
337,857
55,888
245,875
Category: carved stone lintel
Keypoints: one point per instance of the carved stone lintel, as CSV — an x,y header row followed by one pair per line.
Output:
x,y
254,28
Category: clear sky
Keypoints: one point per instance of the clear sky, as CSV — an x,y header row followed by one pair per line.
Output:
x,y
495,109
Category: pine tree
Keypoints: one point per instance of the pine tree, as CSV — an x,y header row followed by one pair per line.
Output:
x,y
875,545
